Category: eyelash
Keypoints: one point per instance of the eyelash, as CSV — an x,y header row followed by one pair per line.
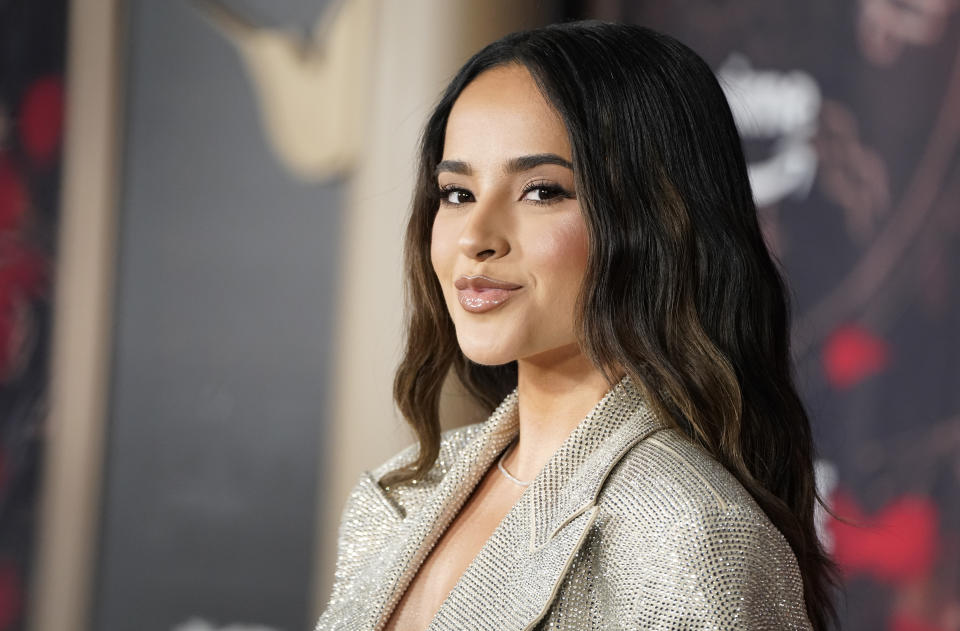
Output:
x,y
556,193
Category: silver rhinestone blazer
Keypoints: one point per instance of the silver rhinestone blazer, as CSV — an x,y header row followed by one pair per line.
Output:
x,y
628,526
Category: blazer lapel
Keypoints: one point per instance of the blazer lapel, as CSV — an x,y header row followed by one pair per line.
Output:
x,y
516,575
417,534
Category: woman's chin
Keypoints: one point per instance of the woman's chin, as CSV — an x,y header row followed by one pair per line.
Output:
x,y
486,356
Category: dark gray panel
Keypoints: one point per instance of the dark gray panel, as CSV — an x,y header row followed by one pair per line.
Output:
x,y
227,271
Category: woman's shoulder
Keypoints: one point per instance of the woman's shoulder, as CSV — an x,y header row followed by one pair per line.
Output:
x,y
670,472
670,490
692,532
666,483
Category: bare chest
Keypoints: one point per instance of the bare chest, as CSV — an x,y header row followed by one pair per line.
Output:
x,y
481,514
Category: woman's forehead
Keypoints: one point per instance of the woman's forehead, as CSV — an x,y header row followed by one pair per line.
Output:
x,y
503,113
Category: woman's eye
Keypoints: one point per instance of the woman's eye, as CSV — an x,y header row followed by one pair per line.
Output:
x,y
543,194
538,194
454,196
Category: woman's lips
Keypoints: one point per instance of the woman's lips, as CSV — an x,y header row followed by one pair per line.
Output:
x,y
478,300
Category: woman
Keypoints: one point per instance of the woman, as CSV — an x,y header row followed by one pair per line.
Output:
x,y
584,252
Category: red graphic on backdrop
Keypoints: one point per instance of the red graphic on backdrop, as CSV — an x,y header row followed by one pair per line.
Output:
x,y
22,278
852,354
22,272
897,544
13,196
11,595
31,132
41,120
907,623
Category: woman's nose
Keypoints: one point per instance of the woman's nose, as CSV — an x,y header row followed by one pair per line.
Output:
x,y
484,234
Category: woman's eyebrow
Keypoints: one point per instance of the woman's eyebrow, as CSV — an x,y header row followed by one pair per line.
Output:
x,y
525,163
514,165
453,166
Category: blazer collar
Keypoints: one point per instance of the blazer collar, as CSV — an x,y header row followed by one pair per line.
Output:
x,y
572,479
564,490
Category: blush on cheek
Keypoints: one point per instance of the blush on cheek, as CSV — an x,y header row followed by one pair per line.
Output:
x,y
436,250
568,259
564,249
443,254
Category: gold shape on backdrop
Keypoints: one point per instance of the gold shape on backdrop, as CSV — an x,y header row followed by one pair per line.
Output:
x,y
312,91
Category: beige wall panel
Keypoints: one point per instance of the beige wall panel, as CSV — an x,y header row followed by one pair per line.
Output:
x,y
70,492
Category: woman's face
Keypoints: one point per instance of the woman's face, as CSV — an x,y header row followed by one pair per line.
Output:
x,y
508,212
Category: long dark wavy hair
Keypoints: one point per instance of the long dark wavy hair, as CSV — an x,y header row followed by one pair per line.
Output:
x,y
680,291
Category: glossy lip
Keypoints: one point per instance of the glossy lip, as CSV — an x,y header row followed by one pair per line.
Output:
x,y
480,293
481,281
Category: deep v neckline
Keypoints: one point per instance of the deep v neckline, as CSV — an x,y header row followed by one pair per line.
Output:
x,y
520,566
492,500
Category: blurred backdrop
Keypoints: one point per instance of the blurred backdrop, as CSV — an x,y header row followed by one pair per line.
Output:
x,y
201,213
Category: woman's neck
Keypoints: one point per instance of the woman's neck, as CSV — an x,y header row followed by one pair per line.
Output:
x,y
555,392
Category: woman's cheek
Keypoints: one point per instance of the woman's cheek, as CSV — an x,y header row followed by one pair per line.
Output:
x,y
441,245
561,254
